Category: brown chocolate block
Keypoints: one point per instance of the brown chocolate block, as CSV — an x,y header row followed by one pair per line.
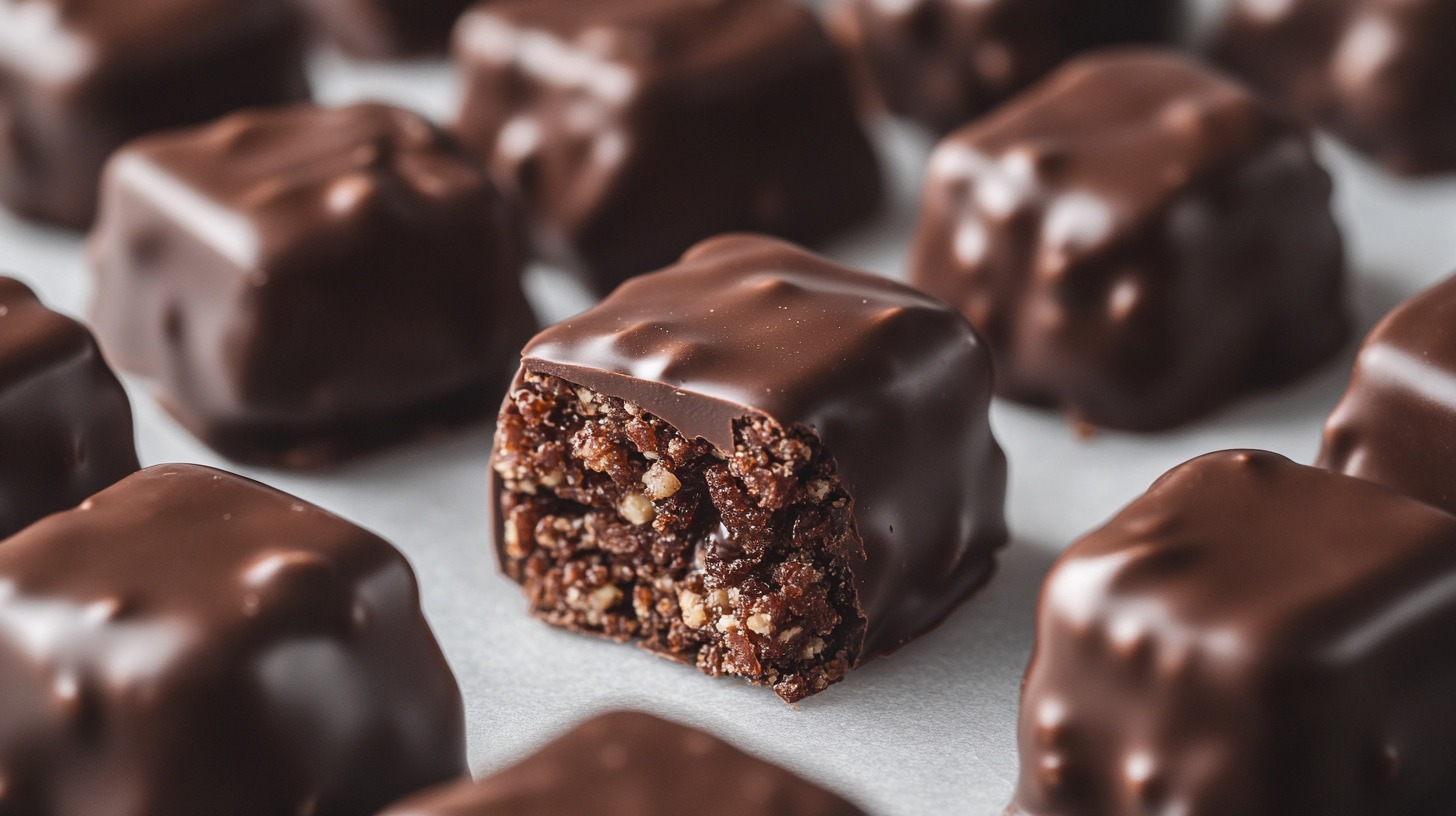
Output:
x,y
79,78
755,461
1250,637
65,422
305,284
1397,422
387,29
629,764
1138,239
191,642
633,129
1377,73
944,62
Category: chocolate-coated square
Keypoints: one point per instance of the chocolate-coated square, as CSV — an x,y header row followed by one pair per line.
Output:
x,y
78,78
1397,422
633,129
756,461
65,422
305,284
626,763
945,62
1377,73
1139,240
387,29
191,642
1250,637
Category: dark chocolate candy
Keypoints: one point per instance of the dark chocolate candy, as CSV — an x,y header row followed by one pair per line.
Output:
x,y
1378,73
65,422
1250,637
78,78
632,129
1397,422
757,461
629,764
945,62
305,283
388,29
191,642
1138,239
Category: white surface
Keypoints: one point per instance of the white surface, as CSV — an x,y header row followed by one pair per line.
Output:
x,y
928,731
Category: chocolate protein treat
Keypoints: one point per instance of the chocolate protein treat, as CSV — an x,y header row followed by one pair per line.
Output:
x,y
756,461
633,129
1250,637
1138,239
629,764
945,62
65,422
1375,72
1397,422
387,29
191,642
305,284
78,78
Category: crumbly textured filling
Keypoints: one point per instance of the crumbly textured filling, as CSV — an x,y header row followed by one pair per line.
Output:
x,y
735,561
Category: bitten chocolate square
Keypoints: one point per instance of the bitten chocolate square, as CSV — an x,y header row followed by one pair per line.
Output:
x,y
1397,422
305,284
387,29
755,461
944,62
1139,240
191,642
1250,637
625,763
1377,73
79,78
65,422
633,129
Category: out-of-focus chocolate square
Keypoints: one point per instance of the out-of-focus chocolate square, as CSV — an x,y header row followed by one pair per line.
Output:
x,y
387,29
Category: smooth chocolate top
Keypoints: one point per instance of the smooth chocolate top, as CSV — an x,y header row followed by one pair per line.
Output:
x,y
189,641
65,422
631,764
1244,638
1396,424
893,381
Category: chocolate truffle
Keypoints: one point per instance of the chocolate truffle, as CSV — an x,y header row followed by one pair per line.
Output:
x,y
387,29
945,62
1397,422
78,78
65,423
1372,71
1250,637
191,642
756,461
305,284
633,129
1138,239
629,764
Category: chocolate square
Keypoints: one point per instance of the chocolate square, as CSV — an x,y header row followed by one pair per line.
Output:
x,y
387,29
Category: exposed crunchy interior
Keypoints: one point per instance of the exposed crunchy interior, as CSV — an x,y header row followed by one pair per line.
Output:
x,y
735,561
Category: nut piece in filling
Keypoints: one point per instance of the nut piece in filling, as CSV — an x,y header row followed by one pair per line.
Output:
x,y
756,461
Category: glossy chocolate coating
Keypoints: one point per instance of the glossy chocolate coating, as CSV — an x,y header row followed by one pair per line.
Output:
x,y
387,29
305,284
1250,637
893,382
1375,72
626,763
633,129
945,62
191,642
1138,239
78,78
1397,422
65,422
